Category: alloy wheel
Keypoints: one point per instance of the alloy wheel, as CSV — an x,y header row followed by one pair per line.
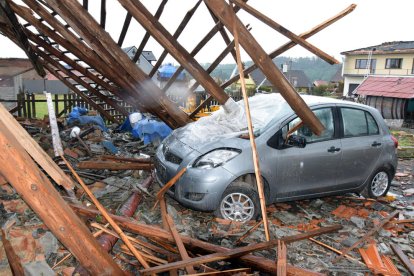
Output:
x,y
379,184
237,206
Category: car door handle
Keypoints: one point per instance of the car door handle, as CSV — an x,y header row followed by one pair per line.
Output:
x,y
376,144
333,149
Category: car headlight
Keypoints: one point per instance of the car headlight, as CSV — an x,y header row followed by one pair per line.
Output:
x,y
215,158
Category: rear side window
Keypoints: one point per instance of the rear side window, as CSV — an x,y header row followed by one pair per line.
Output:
x,y
358,122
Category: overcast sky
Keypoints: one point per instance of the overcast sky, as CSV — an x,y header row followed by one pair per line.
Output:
x,y
372,22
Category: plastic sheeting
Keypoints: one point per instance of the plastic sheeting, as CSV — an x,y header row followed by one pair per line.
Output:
x,y
78,117
148,130
264,109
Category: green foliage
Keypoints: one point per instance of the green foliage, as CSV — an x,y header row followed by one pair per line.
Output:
x,y
320,90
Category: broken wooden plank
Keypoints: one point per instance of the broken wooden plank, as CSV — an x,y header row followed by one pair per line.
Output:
x,y
403,258
114,166
39,193
147,35
13,259
252,261
125,159
367,235
281,258
335,250
236,252
176,35
108,241
36,152
170,183
282,30
245,235
180,245
255,155
224,11
105,214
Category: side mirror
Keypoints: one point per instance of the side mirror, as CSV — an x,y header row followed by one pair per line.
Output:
x,y
296,141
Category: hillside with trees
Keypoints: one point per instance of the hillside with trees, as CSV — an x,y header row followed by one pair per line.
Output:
x,y
314,68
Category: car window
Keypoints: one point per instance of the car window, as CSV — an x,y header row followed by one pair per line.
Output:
x,y
372,125
326,117
358,122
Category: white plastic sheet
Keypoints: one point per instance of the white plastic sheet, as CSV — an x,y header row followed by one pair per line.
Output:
x,y
231,120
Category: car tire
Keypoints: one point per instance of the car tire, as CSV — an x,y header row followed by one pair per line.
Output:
x,y
378,185
239,202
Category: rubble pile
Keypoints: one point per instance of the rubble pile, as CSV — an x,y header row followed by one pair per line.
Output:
x,y
315,231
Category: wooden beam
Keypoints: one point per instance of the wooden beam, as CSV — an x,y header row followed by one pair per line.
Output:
x,y
176,34
223,33
125,28
223,11
147,34
19,36
282,30
180,245
34,150
255,155
37,191
238,252
215,63
139,85
87,73
252,261
367,235
141,14
105,214
12,258
403,258
279,51
87,85
103,14
71,43
281,258
114,166
102,111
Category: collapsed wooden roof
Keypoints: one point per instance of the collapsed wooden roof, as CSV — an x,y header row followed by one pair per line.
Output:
x,y
64,38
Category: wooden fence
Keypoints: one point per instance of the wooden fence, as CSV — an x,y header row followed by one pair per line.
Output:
x,y
26,104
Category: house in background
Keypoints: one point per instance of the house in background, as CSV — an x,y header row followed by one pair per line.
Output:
x,y
18,75
387,59
145,59
297,78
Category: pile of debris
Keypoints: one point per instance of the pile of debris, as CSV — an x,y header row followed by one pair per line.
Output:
x,y
334,234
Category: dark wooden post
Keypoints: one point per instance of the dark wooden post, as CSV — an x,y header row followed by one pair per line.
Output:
x,y
33,106
223,11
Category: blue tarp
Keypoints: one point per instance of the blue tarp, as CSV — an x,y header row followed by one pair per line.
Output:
x,y
167,71
146,129
78,117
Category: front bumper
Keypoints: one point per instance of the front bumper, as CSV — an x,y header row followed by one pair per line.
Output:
x,y
207,184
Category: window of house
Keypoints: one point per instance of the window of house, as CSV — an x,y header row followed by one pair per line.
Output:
x,y
393,63
412,70
326,117
357,122
361,63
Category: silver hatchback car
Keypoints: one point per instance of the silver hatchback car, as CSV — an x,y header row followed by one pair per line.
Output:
x,y
355,153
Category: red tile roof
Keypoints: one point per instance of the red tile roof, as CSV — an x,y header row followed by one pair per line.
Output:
x,y
394,87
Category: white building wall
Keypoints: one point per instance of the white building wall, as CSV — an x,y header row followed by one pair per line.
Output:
x,y
351,80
